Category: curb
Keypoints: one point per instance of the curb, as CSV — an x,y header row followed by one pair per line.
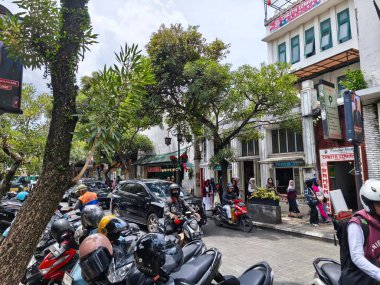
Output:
x,y
328,237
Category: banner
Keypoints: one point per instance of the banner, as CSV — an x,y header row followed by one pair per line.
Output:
x,y
329,111
10,79
353,117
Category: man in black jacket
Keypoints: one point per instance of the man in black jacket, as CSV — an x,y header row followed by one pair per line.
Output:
x,y
227,199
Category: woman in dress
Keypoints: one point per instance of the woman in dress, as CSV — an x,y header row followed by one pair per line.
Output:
x,y
292,200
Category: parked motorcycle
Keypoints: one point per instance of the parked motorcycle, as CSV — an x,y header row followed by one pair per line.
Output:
x,y
327,271
258,274
240,217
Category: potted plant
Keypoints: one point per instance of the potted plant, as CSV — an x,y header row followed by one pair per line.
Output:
x,y
264,196
184,157
173,158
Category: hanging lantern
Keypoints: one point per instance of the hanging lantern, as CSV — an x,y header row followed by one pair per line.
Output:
x,y
179,137
189,138
168,140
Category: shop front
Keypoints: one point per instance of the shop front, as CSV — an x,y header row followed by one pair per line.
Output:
x,y
288,170
337,172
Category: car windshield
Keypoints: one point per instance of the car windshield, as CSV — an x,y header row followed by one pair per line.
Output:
x,y
161,189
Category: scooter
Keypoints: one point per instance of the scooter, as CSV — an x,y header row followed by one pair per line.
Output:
x,y
327,271
240,217
258,274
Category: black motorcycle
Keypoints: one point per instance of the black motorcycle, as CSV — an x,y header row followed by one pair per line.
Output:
x,y
327,271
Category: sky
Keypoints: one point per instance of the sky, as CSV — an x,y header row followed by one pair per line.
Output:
x,y
237,22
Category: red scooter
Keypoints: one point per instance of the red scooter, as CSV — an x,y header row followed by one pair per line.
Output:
x,y
61,258
239,214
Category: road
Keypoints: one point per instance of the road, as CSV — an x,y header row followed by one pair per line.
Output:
x,y
290,257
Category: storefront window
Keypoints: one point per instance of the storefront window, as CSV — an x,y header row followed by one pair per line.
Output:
x,y
286,141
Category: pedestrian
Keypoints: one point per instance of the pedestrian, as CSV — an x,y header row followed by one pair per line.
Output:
x,y
252,187
270,185
363,234
168,178
292,200
210,193
319,193
206,196
312,201
172,179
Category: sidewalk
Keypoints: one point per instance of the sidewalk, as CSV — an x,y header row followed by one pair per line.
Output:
x,y
301,227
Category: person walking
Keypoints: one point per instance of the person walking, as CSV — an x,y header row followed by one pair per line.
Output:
x,y
270,185
236,190
319,193
206,196
292,200
251,187
312,201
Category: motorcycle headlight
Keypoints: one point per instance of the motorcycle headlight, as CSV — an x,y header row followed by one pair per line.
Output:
x,y
194,225
119,274
45,271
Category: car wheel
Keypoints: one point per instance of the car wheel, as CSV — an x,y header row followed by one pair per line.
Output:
x,y
116,211
152,223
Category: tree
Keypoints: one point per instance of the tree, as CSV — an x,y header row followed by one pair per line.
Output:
x,y
54,37
196,88
24,136
113,106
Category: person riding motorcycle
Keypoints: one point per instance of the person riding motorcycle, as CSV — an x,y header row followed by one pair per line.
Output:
x,y
363,263
227,199
175,207
86,197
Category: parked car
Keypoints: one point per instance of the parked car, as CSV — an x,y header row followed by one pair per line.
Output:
x,y
142,201
97,186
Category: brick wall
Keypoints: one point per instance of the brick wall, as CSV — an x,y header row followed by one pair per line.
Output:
x,y
372,140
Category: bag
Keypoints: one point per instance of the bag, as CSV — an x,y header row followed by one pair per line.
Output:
x,y
341,235
313,202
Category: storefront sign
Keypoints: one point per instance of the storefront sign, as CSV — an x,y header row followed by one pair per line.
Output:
x,y
329,111
353,117
10,79
289,164
328,155
294,13
154,169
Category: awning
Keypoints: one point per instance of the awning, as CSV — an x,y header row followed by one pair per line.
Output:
x,y
283,158
332,63
158,159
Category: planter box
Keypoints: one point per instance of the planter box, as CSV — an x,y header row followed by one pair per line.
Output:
x,y
265,213
264,202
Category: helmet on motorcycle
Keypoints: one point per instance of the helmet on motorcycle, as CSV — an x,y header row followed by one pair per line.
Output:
x,y
80,234
61,230
112,227
22,196
370,194
95,255
174,190
156,254
91,216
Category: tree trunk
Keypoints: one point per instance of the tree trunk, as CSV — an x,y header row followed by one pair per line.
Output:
x,y
224,167
197,169
30,222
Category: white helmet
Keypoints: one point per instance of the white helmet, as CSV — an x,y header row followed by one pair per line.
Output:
x,y
80,234
369,194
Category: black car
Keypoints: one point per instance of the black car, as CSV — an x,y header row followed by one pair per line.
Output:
x,y
96,186
142,201
8,211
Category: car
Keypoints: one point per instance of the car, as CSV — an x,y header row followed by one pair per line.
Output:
x,y
96,186
142,201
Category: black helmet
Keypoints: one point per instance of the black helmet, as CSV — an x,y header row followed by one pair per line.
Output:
x,y
61,230
95,255
174,190
155,254
91,216
112,227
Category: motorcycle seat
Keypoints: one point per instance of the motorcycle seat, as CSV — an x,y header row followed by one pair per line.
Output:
x,y
252,277
189,251
332,271
195,269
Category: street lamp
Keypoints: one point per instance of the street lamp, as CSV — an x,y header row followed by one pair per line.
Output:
x,y
168,141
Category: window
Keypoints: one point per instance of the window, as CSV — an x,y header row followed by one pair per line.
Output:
x,y
326,40
250,148
295,44
344,29
341,88
139,189
128,188
286,141
309,42
282,52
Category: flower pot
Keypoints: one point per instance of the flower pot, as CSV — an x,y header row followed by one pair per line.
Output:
x,y
264,201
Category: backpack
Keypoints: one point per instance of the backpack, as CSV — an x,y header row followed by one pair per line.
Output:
x,y
341,235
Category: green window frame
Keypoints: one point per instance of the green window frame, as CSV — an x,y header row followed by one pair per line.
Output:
x,y
326,38
309,42
282,52
344,28
295,49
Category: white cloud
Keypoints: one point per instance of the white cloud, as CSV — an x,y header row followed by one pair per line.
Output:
x,y
117,22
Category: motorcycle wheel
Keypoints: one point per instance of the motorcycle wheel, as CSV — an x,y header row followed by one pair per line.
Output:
x,y
246,224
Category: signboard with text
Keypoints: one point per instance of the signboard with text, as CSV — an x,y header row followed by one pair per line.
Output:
x,y
353,117
294,13
10,78
329,111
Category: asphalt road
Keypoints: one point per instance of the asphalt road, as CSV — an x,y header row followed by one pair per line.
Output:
x,y
290,257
